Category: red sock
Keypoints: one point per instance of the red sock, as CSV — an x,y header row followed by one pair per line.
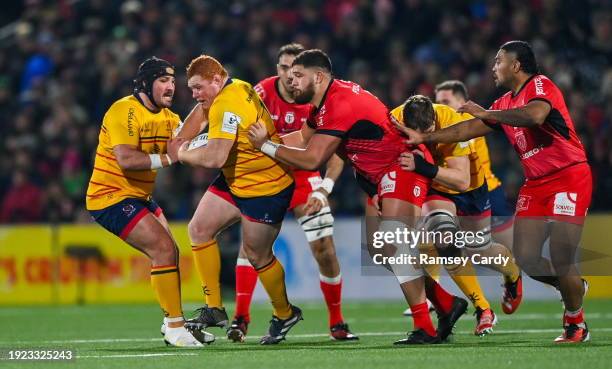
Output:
x,y
332,292
442,300
575,317
421,318
246,279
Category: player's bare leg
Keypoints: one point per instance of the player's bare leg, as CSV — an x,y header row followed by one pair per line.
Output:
x,y
258,239
318,229
513,284
151,237
397,213
212,216
564,243
529,237
440,217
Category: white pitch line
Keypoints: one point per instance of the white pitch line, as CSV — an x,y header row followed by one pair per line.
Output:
x,y
135,355
533,316
310,335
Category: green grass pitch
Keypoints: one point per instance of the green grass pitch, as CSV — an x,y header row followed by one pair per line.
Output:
x,y
127,336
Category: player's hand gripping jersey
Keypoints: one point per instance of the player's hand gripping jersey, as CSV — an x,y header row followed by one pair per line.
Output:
x,y
127,122
446,117
289,117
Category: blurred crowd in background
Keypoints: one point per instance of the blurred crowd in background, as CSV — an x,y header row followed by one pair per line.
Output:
x,y
63,63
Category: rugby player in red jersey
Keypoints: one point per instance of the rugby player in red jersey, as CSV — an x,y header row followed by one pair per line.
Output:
x,y
553,202
309,205
353,123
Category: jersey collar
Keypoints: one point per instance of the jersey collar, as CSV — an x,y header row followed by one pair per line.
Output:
x,y
331,82
523,86
143,104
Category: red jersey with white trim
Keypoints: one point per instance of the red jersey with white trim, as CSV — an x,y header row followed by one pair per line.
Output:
x,y
288,117
550,147
369,140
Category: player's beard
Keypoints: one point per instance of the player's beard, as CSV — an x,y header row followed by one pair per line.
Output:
x,y
304,96
164,102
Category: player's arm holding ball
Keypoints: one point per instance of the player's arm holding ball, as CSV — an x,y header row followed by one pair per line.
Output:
x,y
223,128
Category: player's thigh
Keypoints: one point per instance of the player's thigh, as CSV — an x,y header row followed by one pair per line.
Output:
x,y
212,215
257,240
150,237
564,244
530,233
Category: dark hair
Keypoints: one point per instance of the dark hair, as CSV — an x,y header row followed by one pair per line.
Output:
x,y
524,54
457,87
418,112
314,58
290,49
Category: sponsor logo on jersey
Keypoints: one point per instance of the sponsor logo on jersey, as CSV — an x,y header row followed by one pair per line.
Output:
x,y
315,182
565,203
387,183
532,152
230,122
130,121
539,86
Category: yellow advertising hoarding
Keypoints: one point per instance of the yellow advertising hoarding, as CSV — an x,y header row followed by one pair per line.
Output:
x,y
81,263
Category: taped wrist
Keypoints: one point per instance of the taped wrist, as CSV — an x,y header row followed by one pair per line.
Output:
x,y
422,167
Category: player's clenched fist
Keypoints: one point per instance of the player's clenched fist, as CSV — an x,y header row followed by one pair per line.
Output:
x,y
258,134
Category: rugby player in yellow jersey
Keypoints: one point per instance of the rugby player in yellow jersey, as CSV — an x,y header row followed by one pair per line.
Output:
x,y
454,94
251,188
132,146
459,188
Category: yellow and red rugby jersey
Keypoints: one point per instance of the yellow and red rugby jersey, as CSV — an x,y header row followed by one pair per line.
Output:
x,y
446,116
247,171
127,122
480,145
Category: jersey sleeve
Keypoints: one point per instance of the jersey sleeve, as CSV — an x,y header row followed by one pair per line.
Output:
x,y
335,122
122,124
224,119
541,88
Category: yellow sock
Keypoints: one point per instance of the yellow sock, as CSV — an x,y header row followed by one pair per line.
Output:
x,y
465,278
272,277
207,260
432,269
510,271
167,286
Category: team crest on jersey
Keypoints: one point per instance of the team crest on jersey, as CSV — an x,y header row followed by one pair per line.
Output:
x,y
565,203
289,117
522,203
521,141
387,183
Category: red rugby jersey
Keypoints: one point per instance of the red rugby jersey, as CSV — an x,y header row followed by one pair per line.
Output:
x,y
369,140
550,147
288,117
